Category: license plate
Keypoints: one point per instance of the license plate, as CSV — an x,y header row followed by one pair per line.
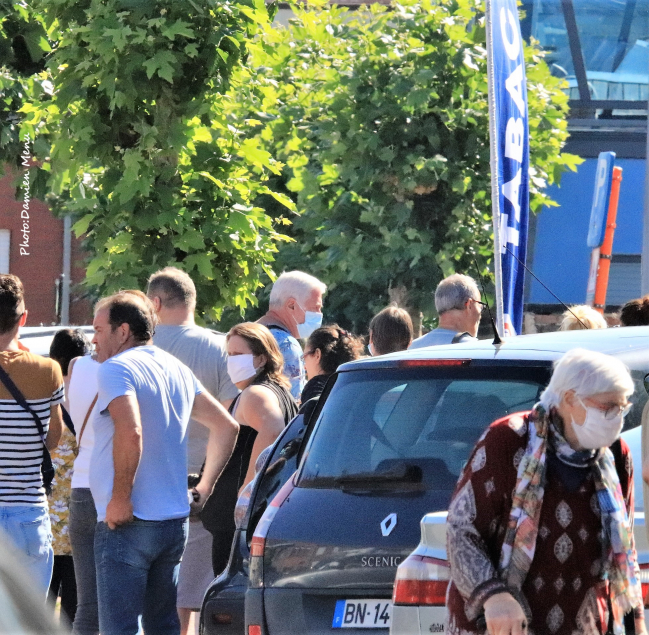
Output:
x,y
362,614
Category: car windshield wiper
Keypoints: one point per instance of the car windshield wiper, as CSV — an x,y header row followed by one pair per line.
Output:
x,y
406,474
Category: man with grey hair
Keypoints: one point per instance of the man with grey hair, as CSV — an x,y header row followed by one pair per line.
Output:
x,y
457,300
173,295
295,311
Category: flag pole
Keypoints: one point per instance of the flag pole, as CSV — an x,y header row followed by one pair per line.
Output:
x,y
495,191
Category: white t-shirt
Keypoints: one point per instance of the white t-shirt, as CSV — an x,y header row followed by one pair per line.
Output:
x,y
81,391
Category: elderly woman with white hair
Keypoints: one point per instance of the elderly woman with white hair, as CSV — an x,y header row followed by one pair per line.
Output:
x,y
540,527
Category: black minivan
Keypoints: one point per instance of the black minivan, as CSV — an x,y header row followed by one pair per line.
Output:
x,y
386,447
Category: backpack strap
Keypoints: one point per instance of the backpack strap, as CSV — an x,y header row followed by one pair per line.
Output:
x,y
458,337
85,420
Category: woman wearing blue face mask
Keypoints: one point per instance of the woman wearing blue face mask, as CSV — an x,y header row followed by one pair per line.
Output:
x,y
263,408
540,527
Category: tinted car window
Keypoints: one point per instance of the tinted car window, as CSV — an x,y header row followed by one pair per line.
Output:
x,y
411,428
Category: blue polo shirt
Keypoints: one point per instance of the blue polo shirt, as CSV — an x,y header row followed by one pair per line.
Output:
x,y
165,390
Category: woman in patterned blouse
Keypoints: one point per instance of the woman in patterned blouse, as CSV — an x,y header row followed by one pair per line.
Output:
x,y
540,527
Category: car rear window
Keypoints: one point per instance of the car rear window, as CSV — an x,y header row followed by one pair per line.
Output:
x,y
411,428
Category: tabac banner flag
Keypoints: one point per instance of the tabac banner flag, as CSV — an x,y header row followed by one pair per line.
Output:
x,y
509,159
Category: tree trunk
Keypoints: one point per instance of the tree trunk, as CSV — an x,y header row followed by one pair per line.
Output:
x,y
400,296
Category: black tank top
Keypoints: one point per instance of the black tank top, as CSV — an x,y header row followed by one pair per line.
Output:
x,y
218,513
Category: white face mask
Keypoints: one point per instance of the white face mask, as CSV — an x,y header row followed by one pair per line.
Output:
x,y
241,367
312,321
597,431
370,348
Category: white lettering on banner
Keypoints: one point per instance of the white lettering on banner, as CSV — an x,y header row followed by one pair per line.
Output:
x,y
508,235
514,139
512,48
516,89
511,193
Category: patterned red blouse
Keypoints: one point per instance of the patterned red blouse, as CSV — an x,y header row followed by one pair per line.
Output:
x,y
563,592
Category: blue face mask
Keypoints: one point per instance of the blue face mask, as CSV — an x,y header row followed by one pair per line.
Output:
x,y
312,321
370,348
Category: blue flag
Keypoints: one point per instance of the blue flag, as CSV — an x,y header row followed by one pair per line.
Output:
x,y
509,158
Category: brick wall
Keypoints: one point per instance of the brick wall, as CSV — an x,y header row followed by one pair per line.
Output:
x,y
41,262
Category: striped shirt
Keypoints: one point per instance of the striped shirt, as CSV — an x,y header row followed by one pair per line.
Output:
x,y
21,448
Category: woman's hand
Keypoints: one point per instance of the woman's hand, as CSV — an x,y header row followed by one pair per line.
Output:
x,y
504,615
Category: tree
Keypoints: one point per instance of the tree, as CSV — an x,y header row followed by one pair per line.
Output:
x,y
131,139
380,117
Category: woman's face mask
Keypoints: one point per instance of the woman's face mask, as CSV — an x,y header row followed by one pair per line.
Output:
x,y
600,429
241,367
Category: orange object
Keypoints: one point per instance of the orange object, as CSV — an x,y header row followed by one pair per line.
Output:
x,y
606,250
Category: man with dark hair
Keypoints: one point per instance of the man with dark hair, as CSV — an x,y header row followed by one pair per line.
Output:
x,y
390,331
24,517
173,295
138,473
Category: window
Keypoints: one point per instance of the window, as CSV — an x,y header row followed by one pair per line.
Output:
x,y
418,425
5,241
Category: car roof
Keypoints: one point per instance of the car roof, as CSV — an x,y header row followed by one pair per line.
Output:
x,y
624,342
39,338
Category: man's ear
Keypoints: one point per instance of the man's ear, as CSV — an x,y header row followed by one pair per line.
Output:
x,y
124,332
157,303
290,304
23,319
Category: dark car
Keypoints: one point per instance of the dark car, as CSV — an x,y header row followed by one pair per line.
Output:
x,y
222,612
387,447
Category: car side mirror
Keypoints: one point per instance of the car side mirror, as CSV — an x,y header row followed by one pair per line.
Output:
x,y
646,383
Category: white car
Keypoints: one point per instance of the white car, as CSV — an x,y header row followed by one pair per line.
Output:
x,y
38,338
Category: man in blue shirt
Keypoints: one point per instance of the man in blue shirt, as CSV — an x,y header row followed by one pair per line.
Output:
x,y
295,311
138,470
457,300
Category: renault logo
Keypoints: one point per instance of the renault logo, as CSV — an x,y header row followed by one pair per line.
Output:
x,y
388,524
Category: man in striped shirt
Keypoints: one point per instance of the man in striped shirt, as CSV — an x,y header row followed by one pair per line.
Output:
x,y
24,516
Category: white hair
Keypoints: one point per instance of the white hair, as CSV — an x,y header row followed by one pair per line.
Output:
x,y
588,373
294,284
580,317
454,292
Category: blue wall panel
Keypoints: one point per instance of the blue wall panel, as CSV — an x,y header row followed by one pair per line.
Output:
x,y
561,257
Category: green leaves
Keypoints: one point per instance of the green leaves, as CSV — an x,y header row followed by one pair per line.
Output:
x,y
379,119
162,63
129,111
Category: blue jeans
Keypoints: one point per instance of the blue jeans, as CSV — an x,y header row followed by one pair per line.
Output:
x,y
28,527
137,576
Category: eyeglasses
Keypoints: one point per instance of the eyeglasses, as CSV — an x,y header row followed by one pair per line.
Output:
x,y
483,305
610,412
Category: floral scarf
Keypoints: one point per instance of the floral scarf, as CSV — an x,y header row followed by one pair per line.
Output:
x,y
620,566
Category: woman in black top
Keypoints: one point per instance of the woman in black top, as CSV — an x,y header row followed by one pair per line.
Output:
x,y
327,348
263,408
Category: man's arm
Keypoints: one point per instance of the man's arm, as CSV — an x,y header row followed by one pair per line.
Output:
x,y
127,450
55,429
223,436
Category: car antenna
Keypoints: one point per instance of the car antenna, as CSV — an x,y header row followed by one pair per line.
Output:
x,y
497,338
554,295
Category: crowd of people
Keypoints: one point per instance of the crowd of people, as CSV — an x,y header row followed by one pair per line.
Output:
x,y
120,467
139,448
